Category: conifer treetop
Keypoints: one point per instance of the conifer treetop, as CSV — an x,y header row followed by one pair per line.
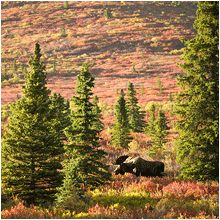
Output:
x,y
36,78
85,82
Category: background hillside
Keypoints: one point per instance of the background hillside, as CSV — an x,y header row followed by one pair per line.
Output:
x,y
140,42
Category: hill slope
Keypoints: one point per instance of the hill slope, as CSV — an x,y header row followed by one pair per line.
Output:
x,y
139,42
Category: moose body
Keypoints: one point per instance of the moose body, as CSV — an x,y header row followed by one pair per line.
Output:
x,y
139,167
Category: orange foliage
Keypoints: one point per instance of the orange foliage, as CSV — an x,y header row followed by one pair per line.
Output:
x,y
20,211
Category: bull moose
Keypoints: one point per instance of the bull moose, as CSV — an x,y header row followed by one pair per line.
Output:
x,y
139,166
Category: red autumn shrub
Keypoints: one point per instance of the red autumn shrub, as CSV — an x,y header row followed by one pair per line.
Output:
x,y
116,212
20,211
189,189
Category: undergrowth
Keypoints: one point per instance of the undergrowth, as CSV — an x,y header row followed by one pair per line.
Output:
x,y
130,197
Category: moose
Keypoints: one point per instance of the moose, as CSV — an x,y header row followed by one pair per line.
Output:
x,y
139,167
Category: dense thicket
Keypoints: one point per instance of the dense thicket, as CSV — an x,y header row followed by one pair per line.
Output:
x,y
198,104
32,147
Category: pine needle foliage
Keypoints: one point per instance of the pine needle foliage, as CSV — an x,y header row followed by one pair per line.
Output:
x,y
32,147
61,111
121,128
98,125
83,166
4,74
136,117
150,129
159,136
198,103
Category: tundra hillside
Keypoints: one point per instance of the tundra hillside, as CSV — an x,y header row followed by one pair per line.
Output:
x,y
140,41
111,97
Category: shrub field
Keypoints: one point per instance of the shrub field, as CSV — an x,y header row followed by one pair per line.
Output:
x,y
133,197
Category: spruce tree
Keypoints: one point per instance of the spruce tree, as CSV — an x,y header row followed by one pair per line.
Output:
x,y
61,111
32,148
136,117
198,103
121,128
150,125
66,5
97,125
159,136
107,13
5,75
83,167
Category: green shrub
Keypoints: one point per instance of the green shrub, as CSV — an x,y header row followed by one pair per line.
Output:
x,y
209,204
188,208
74,202
112,197
66,5
7,199
63,33
107,14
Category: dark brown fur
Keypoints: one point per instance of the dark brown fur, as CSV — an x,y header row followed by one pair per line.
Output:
x,y
139,166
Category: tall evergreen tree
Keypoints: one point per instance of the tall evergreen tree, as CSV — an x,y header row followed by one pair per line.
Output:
x,y
32,148
61,111
121,128
136,117
83,165
150,125
159,135
98,125
198,104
